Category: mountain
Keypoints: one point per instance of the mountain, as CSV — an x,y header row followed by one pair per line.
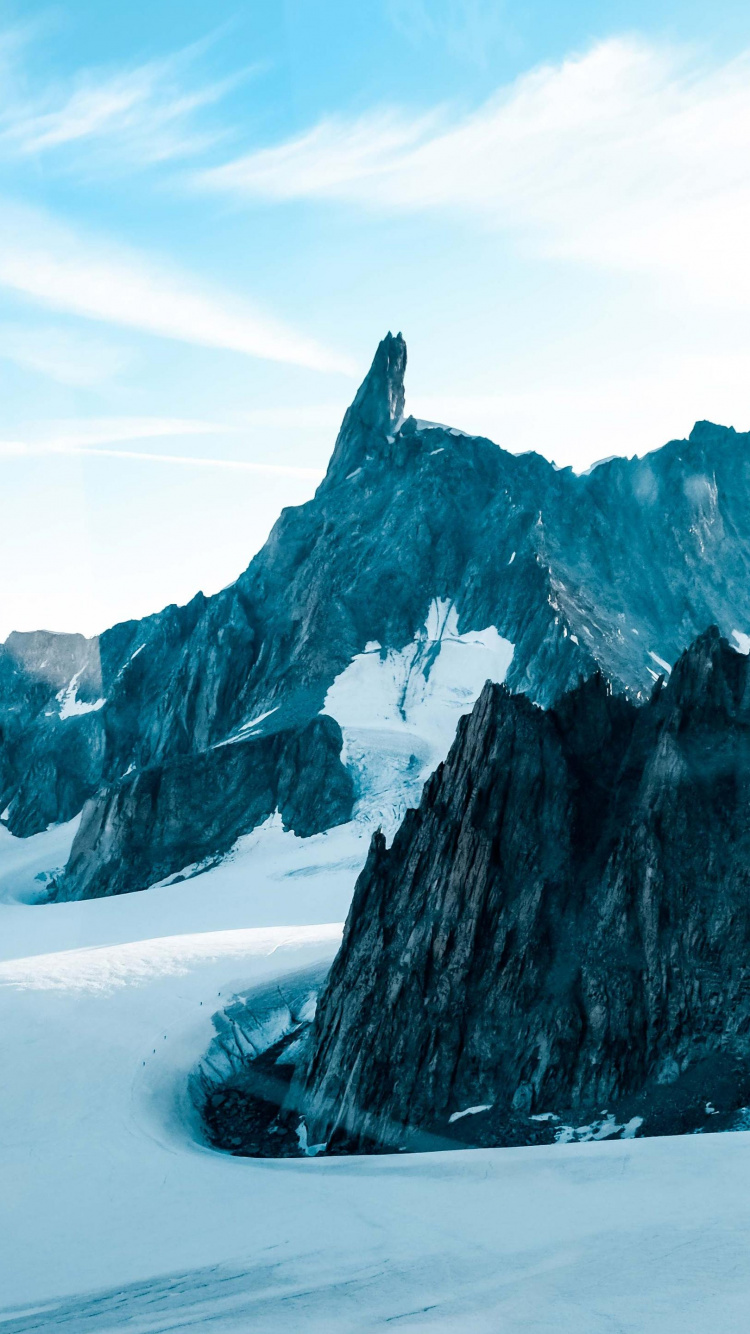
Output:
x,y
559,933
427,562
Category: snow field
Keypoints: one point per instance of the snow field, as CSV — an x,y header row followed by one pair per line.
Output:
x,y
115,1216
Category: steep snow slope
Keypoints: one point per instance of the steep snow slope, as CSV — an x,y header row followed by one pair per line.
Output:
x,y
398,708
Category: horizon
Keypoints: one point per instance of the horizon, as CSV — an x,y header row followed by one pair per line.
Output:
x,y
200,592
208,215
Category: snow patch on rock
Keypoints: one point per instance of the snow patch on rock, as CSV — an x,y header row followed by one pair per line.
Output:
x,y
399,708
70,705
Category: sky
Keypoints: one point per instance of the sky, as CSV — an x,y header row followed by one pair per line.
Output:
x,y
211,213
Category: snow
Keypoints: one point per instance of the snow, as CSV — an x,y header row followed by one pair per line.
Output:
x,y
660,662
470,1111
70,705
610,458
601,1129
743,641
270,879
247,728
422,424
399,708
115,1216
25,863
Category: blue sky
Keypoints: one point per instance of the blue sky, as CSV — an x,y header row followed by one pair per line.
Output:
x,y
210,214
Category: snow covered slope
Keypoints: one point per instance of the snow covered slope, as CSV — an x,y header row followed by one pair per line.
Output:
x,y
115,1217
398,708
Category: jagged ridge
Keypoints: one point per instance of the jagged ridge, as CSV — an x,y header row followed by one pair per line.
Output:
x,y
579,573
565,918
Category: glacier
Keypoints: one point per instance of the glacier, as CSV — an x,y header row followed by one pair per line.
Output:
x,y
398,708
115,1215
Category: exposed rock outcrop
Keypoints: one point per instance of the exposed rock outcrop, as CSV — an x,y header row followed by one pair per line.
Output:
x,y
52,743
564,920
163,819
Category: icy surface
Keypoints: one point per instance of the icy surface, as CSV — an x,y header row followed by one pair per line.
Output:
x,y
743,641
470,1111
660,662
70,705
399,708
114,1216
247,728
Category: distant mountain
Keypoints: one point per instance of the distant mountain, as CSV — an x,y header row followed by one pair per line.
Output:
x,y
559,937
427,561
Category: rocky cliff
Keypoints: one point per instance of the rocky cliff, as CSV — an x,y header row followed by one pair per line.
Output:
x,y
175,817
617,570
563,923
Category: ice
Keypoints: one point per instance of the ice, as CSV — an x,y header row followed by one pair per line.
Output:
x,y
743,641
246,728
25,863
597,1130
660,662
115,1215
399,708
70,706
470,1111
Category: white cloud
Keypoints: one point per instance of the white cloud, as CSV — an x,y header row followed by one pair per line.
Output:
x,y
336,159
62,354
629,156
90,439
83,276
140,115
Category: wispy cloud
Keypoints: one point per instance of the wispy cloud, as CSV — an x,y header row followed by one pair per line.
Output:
x,y
63,354
79,274
142,114
628,156
93,439
336,159
469,29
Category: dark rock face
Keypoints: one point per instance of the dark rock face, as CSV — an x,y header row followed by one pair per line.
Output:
x,y
564,920
51,757
167,817
580,573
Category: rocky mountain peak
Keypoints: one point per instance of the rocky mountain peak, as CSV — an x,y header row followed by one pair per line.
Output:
x,y
709,680
377,410
562,924
705,432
